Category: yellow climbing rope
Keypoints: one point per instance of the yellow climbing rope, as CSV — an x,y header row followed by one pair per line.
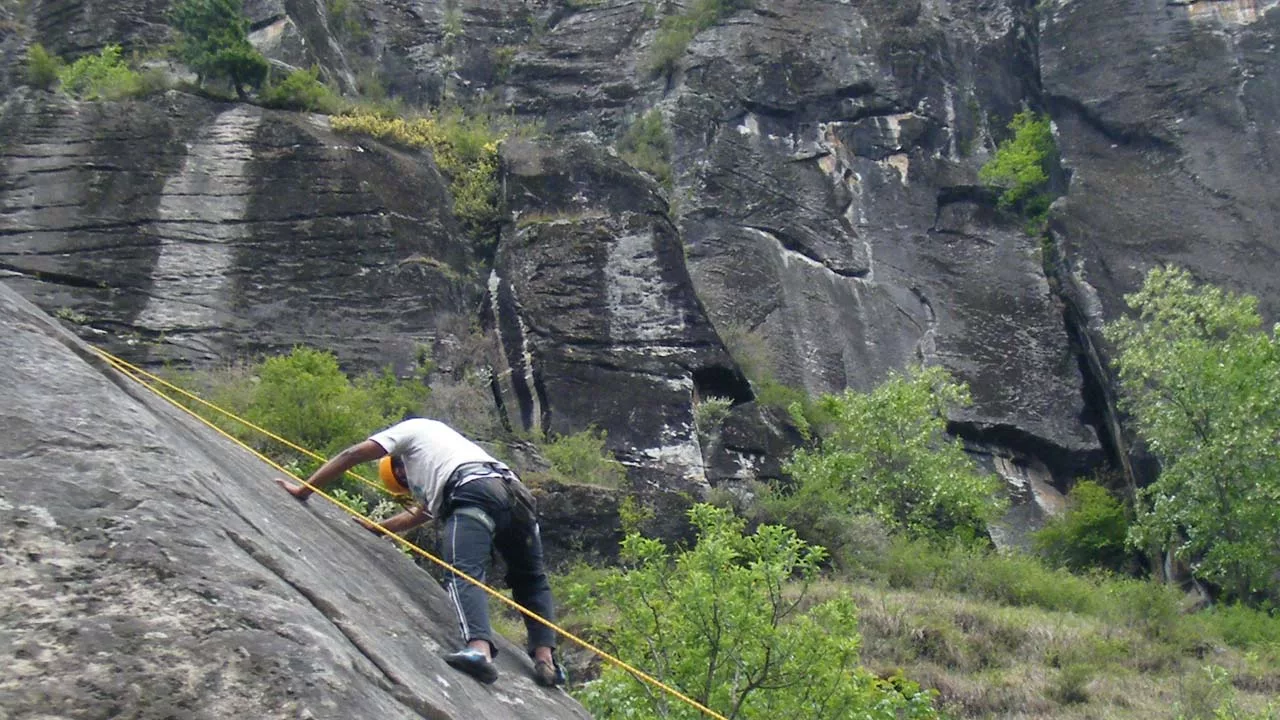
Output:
x,y
137,374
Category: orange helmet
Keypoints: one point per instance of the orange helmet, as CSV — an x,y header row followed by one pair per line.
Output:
x,y
389,479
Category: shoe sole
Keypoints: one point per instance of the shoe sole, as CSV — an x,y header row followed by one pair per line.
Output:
x,y
542,679
485,673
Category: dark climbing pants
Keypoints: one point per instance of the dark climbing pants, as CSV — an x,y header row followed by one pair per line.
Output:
x,y
468,545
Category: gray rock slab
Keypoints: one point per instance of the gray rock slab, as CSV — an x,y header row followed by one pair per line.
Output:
x,y
150,569
177,229
1167,115
599,320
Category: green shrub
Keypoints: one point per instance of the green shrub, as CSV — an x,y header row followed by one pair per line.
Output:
x,y
1070,685
1244,627
305,398
582,458
42,67
728,624
647,145
1090,534
669,45
1022,164
709,414
302,90
889,456
104,76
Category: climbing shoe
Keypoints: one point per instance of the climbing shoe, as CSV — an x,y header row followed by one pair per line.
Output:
x,y
548,674
473,663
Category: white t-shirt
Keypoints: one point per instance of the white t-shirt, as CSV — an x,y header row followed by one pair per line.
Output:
x,y
430,451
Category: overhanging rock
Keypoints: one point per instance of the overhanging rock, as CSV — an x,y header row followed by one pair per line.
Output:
x,y
150,569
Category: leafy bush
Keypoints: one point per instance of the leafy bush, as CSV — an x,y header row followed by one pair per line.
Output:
x,y
709,413
104,76
728,624
464,148
647,145
1090,534
302,90
1201,379
888,455
1022,164
305,397
42,67
214,42
582,458
1245,627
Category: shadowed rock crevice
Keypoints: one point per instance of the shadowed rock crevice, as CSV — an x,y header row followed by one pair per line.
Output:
x,y
1133,136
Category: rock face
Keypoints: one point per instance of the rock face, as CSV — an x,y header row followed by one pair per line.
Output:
x,y
825,224
830,208
197,231
1167,115
150,569
597,311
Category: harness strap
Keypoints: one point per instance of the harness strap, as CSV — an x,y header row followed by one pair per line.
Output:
x,y
467,472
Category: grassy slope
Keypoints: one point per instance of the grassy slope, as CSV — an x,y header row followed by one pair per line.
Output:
x,y
993,660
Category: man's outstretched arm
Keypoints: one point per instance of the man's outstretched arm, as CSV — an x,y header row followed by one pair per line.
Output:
x,y
400,522
333,469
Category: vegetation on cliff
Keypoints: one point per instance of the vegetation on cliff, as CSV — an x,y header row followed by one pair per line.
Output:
x,y
677,31
465,148
1201,378
213,40
646,144
1022,165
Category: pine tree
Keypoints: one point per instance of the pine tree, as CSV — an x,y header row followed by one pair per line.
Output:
x,y
214,42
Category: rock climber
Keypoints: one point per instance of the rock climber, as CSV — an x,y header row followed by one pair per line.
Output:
x,y
483,505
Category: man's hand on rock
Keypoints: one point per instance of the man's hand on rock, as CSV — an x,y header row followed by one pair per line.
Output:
x,y
300,492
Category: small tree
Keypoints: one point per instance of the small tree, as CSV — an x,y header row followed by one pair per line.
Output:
x,y
729,624
888,455
1021,165
214,42
1201,379
42,67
